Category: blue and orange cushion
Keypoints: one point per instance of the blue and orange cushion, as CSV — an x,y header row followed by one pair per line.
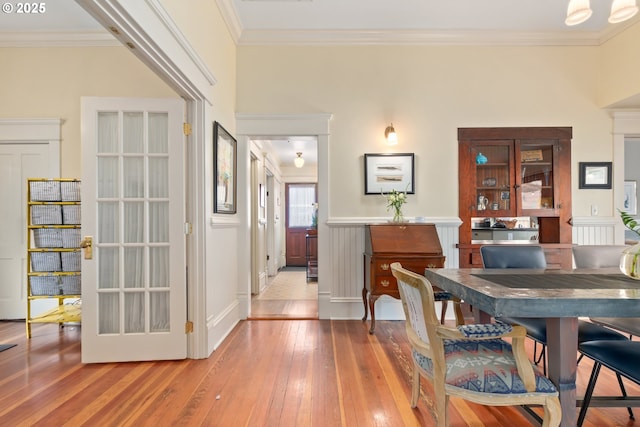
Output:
x,y
486,366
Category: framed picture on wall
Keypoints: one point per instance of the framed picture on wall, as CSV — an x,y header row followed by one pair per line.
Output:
x,y
630,198
595,175
224,171
384,173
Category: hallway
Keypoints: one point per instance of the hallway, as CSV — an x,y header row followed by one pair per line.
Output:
x,y
288,295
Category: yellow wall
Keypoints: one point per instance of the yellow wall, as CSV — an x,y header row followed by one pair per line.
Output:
x,y
202,24
620,59
428,93
49,82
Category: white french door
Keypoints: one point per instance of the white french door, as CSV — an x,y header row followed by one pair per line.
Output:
x,y
134,280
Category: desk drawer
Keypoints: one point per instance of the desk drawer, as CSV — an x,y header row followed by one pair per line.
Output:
x,y
385,285
382,266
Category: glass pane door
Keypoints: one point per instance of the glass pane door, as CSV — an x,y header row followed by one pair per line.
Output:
x,y
536,175
132,242
133,192
493,178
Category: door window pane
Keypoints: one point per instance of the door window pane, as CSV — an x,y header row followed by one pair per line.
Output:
x,y
133,138
302,199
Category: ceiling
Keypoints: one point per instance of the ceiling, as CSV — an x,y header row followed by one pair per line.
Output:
x,y
505,15
345,21
317,20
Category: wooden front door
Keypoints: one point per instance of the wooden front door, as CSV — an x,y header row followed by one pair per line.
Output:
x,y
300,201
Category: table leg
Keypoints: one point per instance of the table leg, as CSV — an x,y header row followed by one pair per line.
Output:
x,y
562,348
481,317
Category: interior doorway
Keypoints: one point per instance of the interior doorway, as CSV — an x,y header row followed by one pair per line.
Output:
x,y
288,209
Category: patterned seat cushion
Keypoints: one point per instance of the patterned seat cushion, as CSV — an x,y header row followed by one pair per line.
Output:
x,y
486,366
441,296
484,330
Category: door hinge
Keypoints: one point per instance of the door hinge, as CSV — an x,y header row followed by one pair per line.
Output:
x,y
188,327
186,127
188,228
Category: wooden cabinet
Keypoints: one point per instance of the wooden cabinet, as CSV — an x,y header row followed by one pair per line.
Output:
x,y
415,246
53,249
521,174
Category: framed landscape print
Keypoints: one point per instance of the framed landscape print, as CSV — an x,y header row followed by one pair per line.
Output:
x,y
595,175
224,171
630,198
384,173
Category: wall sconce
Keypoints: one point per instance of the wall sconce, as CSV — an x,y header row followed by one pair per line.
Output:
x,y
390,135
579,11
298,161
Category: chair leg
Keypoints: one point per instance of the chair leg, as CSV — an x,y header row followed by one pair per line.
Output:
x,y
589,392
624,394
542,358
552,413
444,304
415,388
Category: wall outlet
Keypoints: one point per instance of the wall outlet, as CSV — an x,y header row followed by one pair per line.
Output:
x,y
594,210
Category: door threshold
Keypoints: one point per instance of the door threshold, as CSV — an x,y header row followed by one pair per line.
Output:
x,y
276,317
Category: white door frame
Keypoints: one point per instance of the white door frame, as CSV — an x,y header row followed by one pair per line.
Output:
x,y
142,24
625,124
273,125
45,133
28,131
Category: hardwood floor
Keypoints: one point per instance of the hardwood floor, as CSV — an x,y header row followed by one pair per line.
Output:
x,y
275,373
300,309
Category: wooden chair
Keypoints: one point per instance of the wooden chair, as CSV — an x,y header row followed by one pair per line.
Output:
x,y
532,256
449,356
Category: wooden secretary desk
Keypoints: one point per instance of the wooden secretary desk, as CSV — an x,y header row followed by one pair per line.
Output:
x,y
415,246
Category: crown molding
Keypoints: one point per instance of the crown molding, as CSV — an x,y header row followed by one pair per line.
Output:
x,y
417,37
231,18
57,39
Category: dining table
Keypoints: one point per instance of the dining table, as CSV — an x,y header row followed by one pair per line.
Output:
x,y
559,296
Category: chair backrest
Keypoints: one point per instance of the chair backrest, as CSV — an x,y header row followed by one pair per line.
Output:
x,y
513,256
418,303
597,256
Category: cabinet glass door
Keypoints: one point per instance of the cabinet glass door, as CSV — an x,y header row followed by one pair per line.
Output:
x,y
536,176
493,178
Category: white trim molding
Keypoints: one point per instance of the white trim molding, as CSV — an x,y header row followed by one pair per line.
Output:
x,y
626,124
29,131
57,39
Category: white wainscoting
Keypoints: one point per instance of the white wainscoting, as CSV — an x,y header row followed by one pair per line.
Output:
x,y
346,260
595,230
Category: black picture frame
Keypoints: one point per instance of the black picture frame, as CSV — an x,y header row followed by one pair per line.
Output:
x,y
595,175
225,162
385,172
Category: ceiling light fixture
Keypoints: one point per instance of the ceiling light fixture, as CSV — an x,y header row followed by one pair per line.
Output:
x,y
390,135
579,11
621,10
298,161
